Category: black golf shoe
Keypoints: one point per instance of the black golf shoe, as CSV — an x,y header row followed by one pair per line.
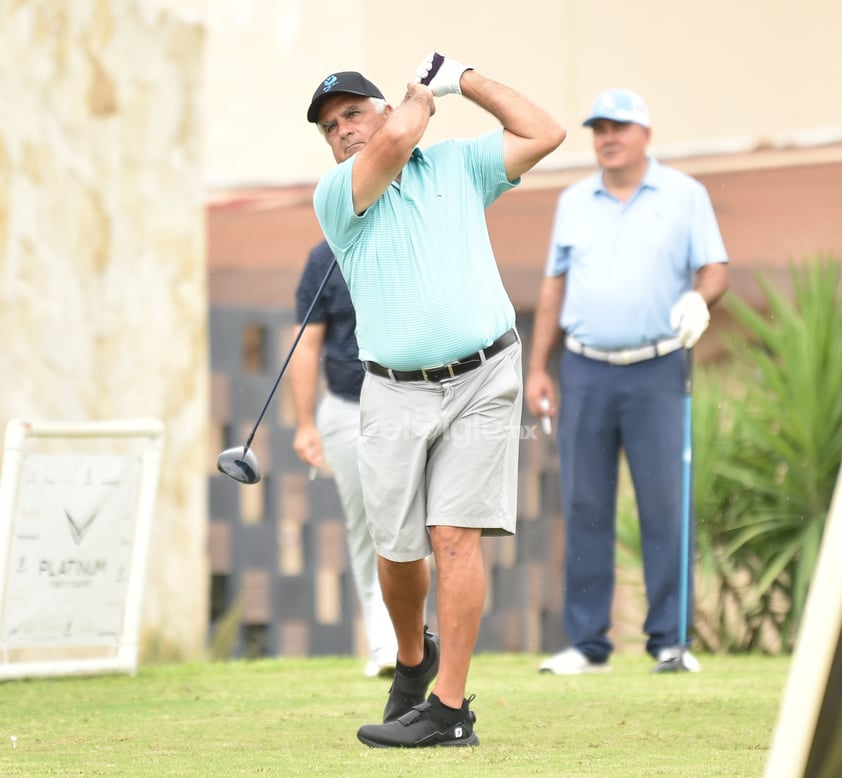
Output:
x,y
425,725
409,687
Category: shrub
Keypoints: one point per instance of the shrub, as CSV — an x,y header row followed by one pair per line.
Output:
x,y
767,455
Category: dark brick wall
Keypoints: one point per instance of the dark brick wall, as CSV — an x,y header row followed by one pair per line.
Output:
x,y
277,549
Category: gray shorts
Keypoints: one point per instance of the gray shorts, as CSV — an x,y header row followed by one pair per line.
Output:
x,y
441,454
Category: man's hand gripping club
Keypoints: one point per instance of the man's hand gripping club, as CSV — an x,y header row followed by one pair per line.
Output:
x,y
441,74
690,318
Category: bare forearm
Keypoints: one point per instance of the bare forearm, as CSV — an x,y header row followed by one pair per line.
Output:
x,y
534,133
383,157
546,330
408,122
712,282
304,378
539,390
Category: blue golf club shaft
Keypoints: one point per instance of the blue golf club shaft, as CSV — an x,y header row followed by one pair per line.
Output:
x,y
687,462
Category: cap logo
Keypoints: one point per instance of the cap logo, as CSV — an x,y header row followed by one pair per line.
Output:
x,y
329,83
608,102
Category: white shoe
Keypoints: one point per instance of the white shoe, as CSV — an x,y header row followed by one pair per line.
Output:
x,y
572,662
374,669
677,658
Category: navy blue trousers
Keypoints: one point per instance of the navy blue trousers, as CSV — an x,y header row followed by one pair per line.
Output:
x,y
638,409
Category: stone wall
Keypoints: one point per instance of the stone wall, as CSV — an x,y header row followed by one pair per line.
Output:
x,y
103,303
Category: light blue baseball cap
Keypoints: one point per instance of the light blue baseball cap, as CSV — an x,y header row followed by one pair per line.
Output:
x,y
619,105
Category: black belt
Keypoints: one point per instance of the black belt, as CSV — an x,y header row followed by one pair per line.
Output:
x,y
450,370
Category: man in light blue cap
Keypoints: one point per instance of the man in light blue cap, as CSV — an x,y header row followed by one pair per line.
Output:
x,y
635,261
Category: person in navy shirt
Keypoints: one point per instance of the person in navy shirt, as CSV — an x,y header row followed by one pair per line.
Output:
x,y
326,433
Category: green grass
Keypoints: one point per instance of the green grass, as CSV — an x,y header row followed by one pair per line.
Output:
x,y
298,717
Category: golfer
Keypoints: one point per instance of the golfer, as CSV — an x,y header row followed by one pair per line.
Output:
x,y
635,261
441,401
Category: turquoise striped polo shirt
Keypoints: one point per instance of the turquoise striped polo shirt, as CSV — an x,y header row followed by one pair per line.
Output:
x,y
419,263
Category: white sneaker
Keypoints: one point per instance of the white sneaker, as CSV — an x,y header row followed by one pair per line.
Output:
x,y
572,662
374,669
677,658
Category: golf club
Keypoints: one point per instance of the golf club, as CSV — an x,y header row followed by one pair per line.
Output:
x,y
676,661
240,462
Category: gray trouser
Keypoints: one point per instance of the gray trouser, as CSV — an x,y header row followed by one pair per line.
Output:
x,y
441,454
338,422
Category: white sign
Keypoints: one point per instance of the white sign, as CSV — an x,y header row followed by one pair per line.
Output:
x,y
74,530
71,550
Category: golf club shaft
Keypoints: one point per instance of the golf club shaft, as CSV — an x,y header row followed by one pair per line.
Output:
x,y
289,355
687,457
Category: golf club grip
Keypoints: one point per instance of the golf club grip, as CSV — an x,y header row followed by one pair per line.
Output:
x,y
688,371
438,59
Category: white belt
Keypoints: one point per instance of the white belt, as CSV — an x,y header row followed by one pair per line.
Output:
x,y
625,356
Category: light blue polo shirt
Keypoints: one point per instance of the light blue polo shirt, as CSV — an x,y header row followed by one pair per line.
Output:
x,y
418,263
627,264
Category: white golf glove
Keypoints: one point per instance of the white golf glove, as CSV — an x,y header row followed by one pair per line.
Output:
x,y
441,74
690,318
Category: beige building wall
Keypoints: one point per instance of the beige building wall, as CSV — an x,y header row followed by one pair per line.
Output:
x,y
721,76
103,303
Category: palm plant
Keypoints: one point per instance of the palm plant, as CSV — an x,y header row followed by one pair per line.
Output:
x,y
767,458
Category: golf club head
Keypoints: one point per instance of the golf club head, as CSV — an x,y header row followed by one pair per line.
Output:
x,y
240,464
674,662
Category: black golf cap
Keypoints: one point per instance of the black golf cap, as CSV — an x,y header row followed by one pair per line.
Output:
x,y
347,81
